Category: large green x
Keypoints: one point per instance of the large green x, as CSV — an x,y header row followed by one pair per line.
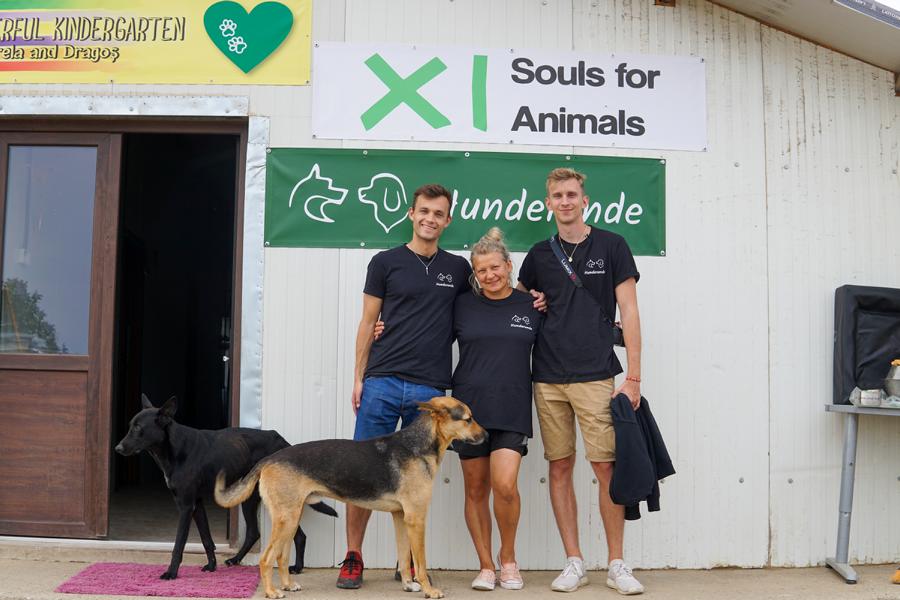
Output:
x,y
404,91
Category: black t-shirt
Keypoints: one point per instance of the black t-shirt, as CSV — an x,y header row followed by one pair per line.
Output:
x,y
494,372
417,310
575,343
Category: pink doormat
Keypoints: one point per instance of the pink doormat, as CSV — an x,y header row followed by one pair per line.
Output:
x,y
133,579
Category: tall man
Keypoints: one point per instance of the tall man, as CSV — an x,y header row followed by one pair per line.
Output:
x,y
412,287
574,365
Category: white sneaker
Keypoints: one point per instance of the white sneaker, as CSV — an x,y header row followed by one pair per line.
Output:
x,y
510,577
620,578
572,577
485,581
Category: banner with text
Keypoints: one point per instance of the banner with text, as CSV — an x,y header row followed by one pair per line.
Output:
x,y
155,41
383,92
331,198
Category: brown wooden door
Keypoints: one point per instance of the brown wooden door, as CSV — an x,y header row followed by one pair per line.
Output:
x,y
58,233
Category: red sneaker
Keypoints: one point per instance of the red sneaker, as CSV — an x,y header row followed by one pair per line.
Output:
x,y
351,575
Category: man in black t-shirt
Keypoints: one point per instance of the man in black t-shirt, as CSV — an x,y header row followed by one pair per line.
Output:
x,y
574,365
413,288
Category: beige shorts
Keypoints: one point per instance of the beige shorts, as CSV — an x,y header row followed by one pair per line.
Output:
x,y
557,406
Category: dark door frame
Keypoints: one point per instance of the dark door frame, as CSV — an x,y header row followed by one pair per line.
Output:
x,y
169,125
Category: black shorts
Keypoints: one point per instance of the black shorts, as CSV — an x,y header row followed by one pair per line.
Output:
x,y
497,439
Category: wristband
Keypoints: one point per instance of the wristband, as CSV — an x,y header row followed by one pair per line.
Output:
x,y
634,379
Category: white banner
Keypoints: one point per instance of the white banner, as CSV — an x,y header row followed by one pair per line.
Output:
x,y
447,94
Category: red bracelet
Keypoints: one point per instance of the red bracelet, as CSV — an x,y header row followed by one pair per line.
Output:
x,y
634,379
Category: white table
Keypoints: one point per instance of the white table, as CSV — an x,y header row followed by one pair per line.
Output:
x,y
848,471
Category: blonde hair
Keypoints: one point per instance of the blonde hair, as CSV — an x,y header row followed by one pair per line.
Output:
x,y
490,242
564,174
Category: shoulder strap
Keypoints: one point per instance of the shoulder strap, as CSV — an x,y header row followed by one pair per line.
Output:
x,y
573,276
564,262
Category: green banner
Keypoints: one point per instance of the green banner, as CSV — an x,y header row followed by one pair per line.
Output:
x,y
328,198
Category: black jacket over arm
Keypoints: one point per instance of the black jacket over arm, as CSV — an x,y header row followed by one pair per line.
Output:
x,y
641,457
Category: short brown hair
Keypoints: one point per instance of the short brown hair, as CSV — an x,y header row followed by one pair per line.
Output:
x,y
561,174
433,190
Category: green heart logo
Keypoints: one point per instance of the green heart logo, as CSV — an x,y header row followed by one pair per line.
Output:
x,y
247,39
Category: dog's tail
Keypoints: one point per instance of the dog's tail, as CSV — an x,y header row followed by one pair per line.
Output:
x,y
324,509
238,491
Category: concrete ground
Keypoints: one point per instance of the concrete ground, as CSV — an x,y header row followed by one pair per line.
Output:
x,y
29,574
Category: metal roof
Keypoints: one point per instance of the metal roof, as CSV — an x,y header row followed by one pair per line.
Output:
x,y
870,31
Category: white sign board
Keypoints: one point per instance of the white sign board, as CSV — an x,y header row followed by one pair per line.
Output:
x,y
447,94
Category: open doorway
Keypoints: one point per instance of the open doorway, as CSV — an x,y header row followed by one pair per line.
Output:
x,y
175,295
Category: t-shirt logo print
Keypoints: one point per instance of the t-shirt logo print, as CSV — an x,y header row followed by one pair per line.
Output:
x,y
520,322
595,266
444,280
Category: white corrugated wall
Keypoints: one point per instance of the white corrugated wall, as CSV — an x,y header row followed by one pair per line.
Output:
x,y
798,194
834,207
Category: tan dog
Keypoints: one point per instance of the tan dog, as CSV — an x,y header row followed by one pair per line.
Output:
x,y
394,473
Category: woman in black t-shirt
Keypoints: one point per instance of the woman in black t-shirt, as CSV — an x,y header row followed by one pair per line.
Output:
x,y
495,327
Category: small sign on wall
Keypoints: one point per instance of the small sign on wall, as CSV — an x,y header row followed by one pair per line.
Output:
x,y
446,94
155,41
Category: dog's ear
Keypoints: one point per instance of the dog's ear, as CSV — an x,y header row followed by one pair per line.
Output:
x,y
168,409
430,406
434,405
145,401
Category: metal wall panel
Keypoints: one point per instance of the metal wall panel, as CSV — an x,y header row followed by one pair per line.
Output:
x,y
300,358
832,155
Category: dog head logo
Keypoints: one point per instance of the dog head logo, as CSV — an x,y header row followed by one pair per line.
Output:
x,y
387,196
317,192
595,263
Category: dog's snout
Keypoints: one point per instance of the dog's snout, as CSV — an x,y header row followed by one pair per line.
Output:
x,y
120,449
480,436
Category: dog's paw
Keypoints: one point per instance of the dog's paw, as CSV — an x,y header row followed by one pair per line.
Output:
x,y
434,593
232,561
274,594
169,575
209,567
292,587
295,570
412,586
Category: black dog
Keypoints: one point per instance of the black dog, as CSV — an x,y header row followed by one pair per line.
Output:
x,y
190,459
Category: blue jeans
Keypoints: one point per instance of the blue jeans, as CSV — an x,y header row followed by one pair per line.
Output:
x,y
386,400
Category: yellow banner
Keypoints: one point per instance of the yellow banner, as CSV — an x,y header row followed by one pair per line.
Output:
x,y
155,41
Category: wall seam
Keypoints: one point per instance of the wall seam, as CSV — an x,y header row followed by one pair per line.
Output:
x,y
765,149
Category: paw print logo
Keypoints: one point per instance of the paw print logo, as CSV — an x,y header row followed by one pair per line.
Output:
x,y
228,27
237,45
523,320
595,264
448,278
